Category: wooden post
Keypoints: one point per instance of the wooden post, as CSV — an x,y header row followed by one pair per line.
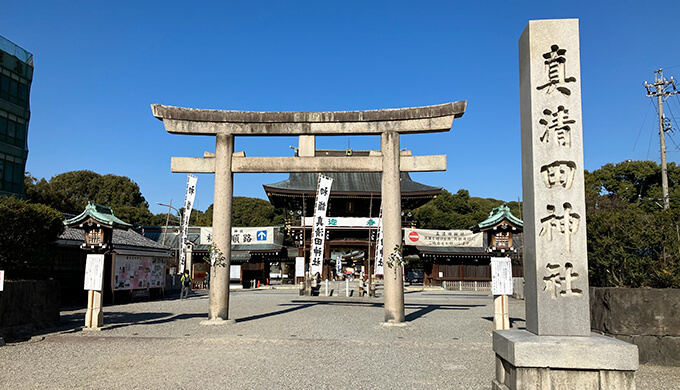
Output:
x,y
501,318
94,317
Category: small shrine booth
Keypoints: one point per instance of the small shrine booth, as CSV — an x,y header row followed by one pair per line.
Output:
x,y
503,235
134,266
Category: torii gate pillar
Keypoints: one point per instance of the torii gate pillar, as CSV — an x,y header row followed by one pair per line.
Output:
x,y
391,201
218,308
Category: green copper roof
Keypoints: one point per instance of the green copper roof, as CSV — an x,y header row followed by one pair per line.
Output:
x,y
496,216
101,214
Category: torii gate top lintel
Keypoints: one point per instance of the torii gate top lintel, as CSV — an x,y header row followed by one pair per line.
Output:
x,y
437,118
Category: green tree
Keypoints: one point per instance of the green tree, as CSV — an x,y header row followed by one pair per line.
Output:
x,y
246,212
637,182
28,235
456,211
632,241
69,192
205,218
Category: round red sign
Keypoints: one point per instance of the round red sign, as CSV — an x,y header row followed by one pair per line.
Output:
x,y
413,236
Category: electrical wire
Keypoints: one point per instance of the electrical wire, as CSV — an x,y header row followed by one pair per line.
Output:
x,y
640,132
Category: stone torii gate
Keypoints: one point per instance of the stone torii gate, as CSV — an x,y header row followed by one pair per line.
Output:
x,y
225,125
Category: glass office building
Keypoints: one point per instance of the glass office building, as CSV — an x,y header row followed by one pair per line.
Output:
x,y
16,73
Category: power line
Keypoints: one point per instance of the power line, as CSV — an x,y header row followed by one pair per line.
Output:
x,y
640,132
674,143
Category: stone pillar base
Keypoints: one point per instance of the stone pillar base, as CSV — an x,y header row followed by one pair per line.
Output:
x,y
527,361
217,321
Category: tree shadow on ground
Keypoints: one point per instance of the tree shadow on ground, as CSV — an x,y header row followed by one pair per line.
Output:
x,y
274,313
74,322
115,320
420,309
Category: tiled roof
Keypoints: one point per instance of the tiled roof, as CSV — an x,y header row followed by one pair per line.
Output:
x,y
127,237
362,182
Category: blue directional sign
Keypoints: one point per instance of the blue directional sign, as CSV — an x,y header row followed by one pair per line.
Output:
x,y
261,235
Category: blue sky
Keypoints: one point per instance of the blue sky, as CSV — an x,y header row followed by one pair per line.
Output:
x,y
100,65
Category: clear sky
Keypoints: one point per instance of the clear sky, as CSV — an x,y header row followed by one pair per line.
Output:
x,y
100,65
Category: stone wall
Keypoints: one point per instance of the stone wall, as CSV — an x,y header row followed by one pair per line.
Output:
x,y
28,305
648,318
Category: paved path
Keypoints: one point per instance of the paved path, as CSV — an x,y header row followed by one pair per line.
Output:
x,y
279,340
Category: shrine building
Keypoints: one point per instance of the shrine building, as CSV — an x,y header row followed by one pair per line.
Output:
x,y
352,225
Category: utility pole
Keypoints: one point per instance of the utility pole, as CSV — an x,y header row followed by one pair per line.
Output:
x,y
658,90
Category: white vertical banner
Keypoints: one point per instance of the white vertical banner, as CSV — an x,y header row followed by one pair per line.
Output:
x,y
189,197
2,280
501,276
379,248
323,192
94,272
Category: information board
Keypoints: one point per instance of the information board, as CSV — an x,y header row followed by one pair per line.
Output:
x,y
501,276
94,272
136,272
450,238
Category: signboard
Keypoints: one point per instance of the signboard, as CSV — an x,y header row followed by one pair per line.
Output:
x,y
94,272
256,235
346,222
501,276
299,267
136,272
206,235
338,266
323,192
235,272
2,280
189,197
247,235
457,238
379,269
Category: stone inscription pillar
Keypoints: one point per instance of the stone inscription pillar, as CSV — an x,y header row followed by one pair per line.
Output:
x,y
557,349
224,185
391,204
555,255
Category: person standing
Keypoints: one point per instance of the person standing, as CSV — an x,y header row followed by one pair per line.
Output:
x,y
186,285
206,281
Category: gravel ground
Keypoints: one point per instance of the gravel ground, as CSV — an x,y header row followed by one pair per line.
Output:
x,y
279,340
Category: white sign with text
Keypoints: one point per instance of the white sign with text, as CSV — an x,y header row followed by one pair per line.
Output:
x,y
501,276
454,238
94,272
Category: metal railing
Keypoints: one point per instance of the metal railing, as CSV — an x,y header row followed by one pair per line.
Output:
x,y
460,285
9,47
